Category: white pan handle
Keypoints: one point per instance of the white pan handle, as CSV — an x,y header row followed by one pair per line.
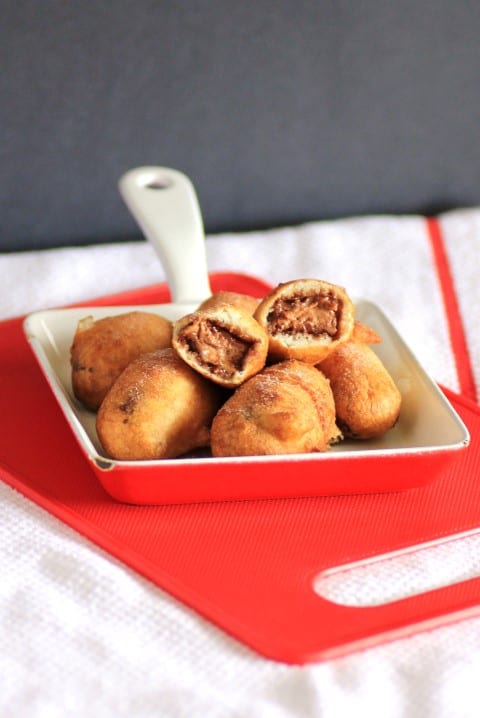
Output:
x,y
164,203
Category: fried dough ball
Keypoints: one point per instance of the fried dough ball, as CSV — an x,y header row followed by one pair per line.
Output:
x,y
102,349
286,408
158,408
305,319
234,299
223,343
367,400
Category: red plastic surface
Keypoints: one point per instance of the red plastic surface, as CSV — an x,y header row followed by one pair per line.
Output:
x,y
247,566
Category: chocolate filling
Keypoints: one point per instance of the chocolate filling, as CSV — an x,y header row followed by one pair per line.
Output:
x,y
215,347
315,315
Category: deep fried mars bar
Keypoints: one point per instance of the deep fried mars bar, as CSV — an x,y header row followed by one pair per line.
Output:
x,y
287,408
102,349
223,343
305,319
367,401
158,408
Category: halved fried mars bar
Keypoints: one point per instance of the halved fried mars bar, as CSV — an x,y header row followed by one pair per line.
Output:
x,y
223,343
305,319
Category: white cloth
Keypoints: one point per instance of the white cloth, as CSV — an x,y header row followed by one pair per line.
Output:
x,y
81,634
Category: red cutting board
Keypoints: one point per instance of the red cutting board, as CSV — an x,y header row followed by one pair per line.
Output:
x,y
246,566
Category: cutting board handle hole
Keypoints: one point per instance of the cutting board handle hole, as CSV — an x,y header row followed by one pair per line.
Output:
x,y
402,574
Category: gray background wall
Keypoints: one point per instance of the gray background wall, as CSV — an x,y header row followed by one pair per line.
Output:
x,y
280,111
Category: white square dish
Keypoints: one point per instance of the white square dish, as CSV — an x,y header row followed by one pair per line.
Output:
x,y
427,437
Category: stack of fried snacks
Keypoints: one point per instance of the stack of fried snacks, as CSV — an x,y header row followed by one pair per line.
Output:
x,y
291,372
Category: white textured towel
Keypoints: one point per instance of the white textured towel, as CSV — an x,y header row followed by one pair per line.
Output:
x,y
81,634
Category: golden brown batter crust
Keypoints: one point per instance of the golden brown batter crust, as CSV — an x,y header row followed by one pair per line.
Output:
x,y
286,408
159,408
367,401
234,299
102,349
363,333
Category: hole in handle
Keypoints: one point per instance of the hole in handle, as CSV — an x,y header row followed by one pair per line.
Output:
x,y
403,574
158,183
